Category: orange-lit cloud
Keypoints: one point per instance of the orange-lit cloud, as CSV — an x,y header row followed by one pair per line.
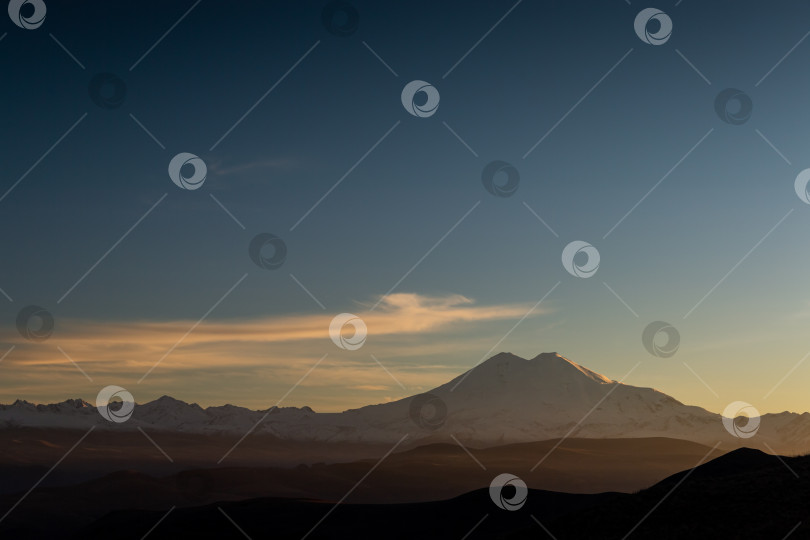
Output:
x,y
270,350
216,340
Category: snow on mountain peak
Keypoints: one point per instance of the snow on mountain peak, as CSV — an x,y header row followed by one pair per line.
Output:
x,y
505,398
507,372
553,358
76,403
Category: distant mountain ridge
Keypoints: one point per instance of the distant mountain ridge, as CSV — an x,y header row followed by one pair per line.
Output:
x,y
744,494
505,399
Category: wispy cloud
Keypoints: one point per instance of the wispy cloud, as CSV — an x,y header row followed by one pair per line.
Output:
x,y
398,314
412,334
222,168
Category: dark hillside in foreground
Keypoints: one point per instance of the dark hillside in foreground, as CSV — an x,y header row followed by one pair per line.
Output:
x,y
427,473
743,495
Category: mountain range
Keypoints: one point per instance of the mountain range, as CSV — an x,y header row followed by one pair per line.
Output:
x,y
599,458
720,498
505,399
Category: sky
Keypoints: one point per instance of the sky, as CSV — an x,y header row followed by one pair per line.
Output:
x,y
384,214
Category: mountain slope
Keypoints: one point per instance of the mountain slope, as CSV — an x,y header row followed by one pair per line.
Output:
x,y
745,494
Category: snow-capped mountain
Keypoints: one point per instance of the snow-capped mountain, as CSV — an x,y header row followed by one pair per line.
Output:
x,y
505,399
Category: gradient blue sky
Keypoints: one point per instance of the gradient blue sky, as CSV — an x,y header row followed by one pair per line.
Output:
x,y
315,125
